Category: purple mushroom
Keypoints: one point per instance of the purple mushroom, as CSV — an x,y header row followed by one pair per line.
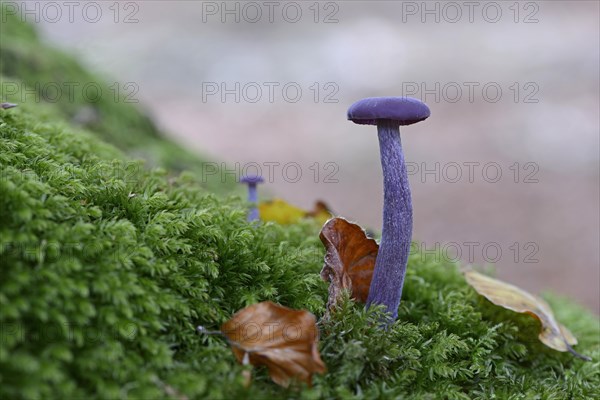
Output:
x,y
6,106
252,181
388,113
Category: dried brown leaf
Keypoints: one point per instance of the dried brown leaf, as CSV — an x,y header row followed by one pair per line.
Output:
x,y
284,340
349,261
321,212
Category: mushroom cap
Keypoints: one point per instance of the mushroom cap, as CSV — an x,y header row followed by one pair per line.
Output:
x,y
404,110
6,106
252,179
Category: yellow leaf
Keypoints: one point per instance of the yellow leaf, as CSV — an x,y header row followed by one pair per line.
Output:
x,y
553,334
279,211
282,212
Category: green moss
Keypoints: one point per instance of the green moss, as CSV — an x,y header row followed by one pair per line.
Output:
x,y
137,259
107,266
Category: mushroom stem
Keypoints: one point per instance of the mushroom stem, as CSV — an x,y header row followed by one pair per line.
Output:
x,y
252,181
392,258
252,198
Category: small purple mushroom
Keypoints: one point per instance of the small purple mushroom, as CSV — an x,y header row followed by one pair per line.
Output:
x,y
6,106
388,113
252,181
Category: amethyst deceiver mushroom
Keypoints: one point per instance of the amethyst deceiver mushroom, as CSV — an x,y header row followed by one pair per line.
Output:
x,y
388,113
252,181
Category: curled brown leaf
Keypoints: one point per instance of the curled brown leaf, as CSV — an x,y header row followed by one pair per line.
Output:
x,y
349,261
280,338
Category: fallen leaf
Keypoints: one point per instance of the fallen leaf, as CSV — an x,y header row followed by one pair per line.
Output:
x,y
282,212
349,261
552,334
278,210
282,339
321,212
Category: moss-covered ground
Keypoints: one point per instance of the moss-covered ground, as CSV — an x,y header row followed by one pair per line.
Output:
x,y
108,264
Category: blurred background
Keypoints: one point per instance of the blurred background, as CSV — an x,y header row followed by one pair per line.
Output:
x,y
504,172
